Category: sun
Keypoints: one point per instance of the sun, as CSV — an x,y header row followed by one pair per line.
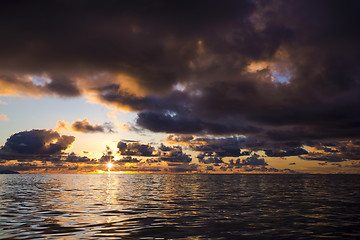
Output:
x,y
109,165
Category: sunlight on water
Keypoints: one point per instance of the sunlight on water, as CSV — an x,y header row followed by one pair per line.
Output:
x,y
97,206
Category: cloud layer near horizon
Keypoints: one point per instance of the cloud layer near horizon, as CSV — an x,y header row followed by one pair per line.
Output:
x,y
285,74
44,150
84,126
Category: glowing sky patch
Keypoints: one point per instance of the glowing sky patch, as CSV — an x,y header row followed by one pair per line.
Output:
x,y
40,80
281,78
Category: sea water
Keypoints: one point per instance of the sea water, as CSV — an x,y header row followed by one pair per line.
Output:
x,y
173,206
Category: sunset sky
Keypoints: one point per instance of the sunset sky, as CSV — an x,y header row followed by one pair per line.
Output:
x,y
252,86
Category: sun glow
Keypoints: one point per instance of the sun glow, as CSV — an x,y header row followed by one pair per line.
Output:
x,y
109,165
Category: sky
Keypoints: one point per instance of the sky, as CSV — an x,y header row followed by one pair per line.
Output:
x,y
245,86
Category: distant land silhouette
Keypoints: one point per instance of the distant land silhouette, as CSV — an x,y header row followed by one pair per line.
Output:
x,y
8,172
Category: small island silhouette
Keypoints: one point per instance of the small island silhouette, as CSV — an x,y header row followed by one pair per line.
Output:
x,y
8,172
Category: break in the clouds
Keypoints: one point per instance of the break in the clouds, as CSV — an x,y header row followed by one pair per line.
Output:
x,y
283,73
84,126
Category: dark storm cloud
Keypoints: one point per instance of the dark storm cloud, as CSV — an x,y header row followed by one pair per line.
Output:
x,y
37,148
233,147
170,113
221,147
254,163
128,159
135,149
26,167
254,160
175,101
209,160
37,141
63,86
173,154
342,151
152,42
73,158
23,158
172,122
283,72
286,153
323,91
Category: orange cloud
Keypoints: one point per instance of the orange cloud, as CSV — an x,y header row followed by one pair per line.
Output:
x,y
19,85
3,117
83,126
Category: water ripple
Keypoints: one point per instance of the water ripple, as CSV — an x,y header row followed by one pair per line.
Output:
x,y
65,206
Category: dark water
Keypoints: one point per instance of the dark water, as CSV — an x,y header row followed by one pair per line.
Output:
x,y
66,206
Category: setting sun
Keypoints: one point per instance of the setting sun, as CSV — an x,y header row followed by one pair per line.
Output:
x,y
110,165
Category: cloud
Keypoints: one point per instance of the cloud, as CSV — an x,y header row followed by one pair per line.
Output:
x,y
336,164
118,48
84,126
135,149
39,150
45,163
253,160
179,139
170,154
3,117
164,122
73,158
252,164
261,69
209,160
286,153
15,84
222,147
128,159
183,168
37,141
354,164
63,86
174,154
338,152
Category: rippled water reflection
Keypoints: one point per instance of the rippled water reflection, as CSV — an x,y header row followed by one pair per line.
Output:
x,y
67,206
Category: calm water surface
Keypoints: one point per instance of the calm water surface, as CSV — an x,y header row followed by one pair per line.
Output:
x,y
98,206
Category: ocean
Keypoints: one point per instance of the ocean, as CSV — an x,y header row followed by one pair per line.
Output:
x,y
174,206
